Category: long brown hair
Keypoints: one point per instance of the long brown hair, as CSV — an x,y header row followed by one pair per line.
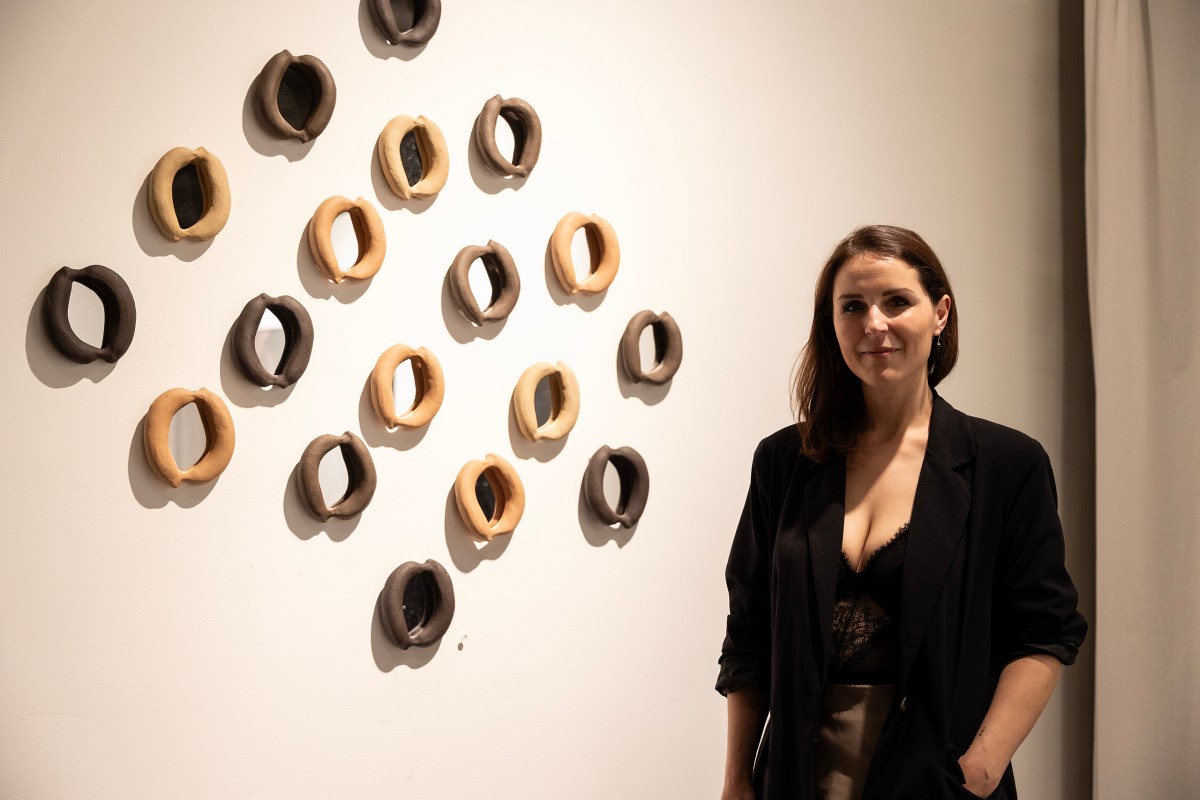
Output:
x,y
827,396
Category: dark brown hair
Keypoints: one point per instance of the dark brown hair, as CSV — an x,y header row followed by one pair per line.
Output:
x,y
827,396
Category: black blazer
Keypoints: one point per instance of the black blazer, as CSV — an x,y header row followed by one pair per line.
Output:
x,y
983,582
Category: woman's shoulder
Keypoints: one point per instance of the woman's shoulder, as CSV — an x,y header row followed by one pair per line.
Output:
x,y
998,442
781,448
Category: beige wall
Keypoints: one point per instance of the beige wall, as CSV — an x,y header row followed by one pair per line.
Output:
x,y
216,642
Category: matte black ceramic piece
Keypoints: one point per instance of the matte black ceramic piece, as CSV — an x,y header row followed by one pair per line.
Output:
x,y
527,136
427,13
501,272
635,486
298,340
426,616
120,315
294,96
668,347
360,471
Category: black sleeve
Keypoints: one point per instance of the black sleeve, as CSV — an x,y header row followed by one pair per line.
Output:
x,y
1037,604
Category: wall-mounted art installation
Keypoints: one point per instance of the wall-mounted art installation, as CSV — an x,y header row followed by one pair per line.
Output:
x,y
294,96
502,274
218,436
490,496
360,475
635,486
189,194
297,347
120,315
415,166
603,251
527,136
417,604
668,347
564,401
368,229
414,32
428,379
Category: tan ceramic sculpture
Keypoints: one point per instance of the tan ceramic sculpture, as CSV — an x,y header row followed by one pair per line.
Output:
x,y
527,136
428,379
668,347
214,188
360,473
120,314
311,84
436,609
506,485
435,158
502,273
604,251
635,485
368,229
427,13
218,435
564,391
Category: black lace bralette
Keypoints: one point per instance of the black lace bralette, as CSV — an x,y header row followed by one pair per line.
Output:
x,y
866,613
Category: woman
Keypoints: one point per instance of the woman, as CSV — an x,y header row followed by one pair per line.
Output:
x,y
898,602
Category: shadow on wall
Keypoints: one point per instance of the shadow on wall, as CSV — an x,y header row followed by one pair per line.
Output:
x,y
47,364
149,489
375,43
468,551
151,240
264,143
385,652
304,525
376,434
594,531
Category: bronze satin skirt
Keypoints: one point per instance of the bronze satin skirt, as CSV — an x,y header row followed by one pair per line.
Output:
x,y
851,718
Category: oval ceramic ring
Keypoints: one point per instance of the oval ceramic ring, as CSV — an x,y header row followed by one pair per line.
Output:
x,y
218,435
431,146
360,473
120,315
565,393
368,229
668,347
298,340
502,274
425,625
506,487
527,136
295,96
176,176
428,13
635,485
603,249
427,377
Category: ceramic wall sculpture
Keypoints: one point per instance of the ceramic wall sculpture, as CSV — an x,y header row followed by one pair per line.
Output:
x,y
668,347
506,488
527,136
425,621
360,474
368,229
294,96
427,14
218,435
564,391
427,377
298,341
189,194
501,272
604,251
635,485
431,148
120,314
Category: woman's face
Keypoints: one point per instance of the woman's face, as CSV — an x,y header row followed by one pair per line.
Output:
x,y
885,322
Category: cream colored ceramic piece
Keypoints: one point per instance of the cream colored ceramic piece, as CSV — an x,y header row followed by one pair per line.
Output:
x,y
213,183
565,392
603,249
368,229
510,496
429,381
435,158
218,435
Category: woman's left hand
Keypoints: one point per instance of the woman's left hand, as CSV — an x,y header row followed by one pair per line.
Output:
x,y
981,780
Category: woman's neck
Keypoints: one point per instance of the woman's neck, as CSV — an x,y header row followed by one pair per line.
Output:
x,y
892,413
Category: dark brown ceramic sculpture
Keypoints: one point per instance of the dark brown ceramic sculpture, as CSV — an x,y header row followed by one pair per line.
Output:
x,y
427,14
527,136
501,272
189,194
360,472
668,347
297,348
424,622
294,96
218,436
635,486
120,315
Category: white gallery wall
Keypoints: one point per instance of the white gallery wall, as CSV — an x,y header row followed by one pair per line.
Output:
x,y
215,640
